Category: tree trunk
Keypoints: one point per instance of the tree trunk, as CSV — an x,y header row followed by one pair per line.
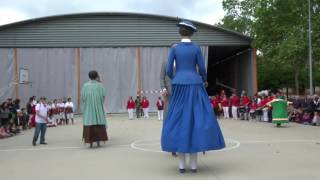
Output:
x,y
296,80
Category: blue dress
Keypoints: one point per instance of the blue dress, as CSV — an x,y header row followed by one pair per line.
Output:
x,y
190,125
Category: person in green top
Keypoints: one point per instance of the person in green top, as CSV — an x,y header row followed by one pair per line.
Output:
x,y
93,95
279,110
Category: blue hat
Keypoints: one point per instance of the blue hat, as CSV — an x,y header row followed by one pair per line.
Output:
x,y
187,24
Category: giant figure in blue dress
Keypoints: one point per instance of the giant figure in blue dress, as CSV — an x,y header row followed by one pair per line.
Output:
x,y
190,125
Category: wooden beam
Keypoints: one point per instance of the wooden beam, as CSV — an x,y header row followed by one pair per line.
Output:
x,y
138,54
78,79
254,70
16,72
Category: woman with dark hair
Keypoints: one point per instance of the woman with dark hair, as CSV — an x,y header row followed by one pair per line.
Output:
x,y
5,114
93,95
4,119
29,106
190,125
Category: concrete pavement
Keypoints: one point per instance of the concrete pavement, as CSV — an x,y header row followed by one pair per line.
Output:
x,y
255,150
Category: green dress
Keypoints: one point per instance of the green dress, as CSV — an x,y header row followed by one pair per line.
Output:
x,y
93,95
94,120
279,111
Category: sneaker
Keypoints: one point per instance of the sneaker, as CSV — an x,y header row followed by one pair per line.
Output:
x,y
44,143
182,171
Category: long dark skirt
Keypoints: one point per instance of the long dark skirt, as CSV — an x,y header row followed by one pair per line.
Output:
x,y
94,133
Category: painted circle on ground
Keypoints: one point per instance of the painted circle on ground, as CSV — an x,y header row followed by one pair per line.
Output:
x,y
153,145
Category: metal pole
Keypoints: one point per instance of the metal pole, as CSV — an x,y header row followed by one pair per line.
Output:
x,y
310,52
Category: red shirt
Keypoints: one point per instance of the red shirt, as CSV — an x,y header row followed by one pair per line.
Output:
x,y
235,101
33,110
145,103
263,102
218,98
245,101
214,103
225,102
270,98
160,104
130,104
254,106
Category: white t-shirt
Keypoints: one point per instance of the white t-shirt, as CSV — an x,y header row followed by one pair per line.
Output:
x,y
61,105
69,104
43,110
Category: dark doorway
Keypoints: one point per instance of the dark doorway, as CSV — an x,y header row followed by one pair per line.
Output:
x,y
223,63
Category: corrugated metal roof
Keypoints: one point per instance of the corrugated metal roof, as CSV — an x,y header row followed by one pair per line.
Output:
x,y
109,30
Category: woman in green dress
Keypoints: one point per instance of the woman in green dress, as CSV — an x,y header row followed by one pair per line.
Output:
x,y
94,120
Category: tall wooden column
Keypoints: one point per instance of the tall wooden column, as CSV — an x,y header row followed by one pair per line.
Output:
x,y
78,79
138,54
16,72
254,70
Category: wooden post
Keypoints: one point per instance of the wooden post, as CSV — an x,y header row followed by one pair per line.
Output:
x,y
78,79
139,70
254,70
16,72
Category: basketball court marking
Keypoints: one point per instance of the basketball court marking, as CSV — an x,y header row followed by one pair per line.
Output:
x,y
138,143
282,141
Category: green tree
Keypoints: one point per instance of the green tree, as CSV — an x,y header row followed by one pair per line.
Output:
x,y
280,32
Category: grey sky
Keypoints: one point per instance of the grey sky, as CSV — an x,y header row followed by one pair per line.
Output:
x,y
208,11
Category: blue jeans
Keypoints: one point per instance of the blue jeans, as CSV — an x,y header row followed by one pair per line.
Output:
x,y
40,127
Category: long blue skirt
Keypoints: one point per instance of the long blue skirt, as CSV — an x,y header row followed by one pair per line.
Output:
x,y
190,125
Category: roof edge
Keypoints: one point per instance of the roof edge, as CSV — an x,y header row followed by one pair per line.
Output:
x,y
121,13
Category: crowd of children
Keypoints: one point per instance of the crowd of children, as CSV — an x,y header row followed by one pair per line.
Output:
x,y
142,107
14,119
60,112
301,110
235,107
305,110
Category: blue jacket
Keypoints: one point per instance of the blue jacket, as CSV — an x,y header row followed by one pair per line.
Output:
x,y
188,57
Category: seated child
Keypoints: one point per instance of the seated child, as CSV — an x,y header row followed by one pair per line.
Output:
x,y
3,133
305,118
294,116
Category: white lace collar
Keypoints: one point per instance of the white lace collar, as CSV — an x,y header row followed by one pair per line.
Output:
x,y
185,40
